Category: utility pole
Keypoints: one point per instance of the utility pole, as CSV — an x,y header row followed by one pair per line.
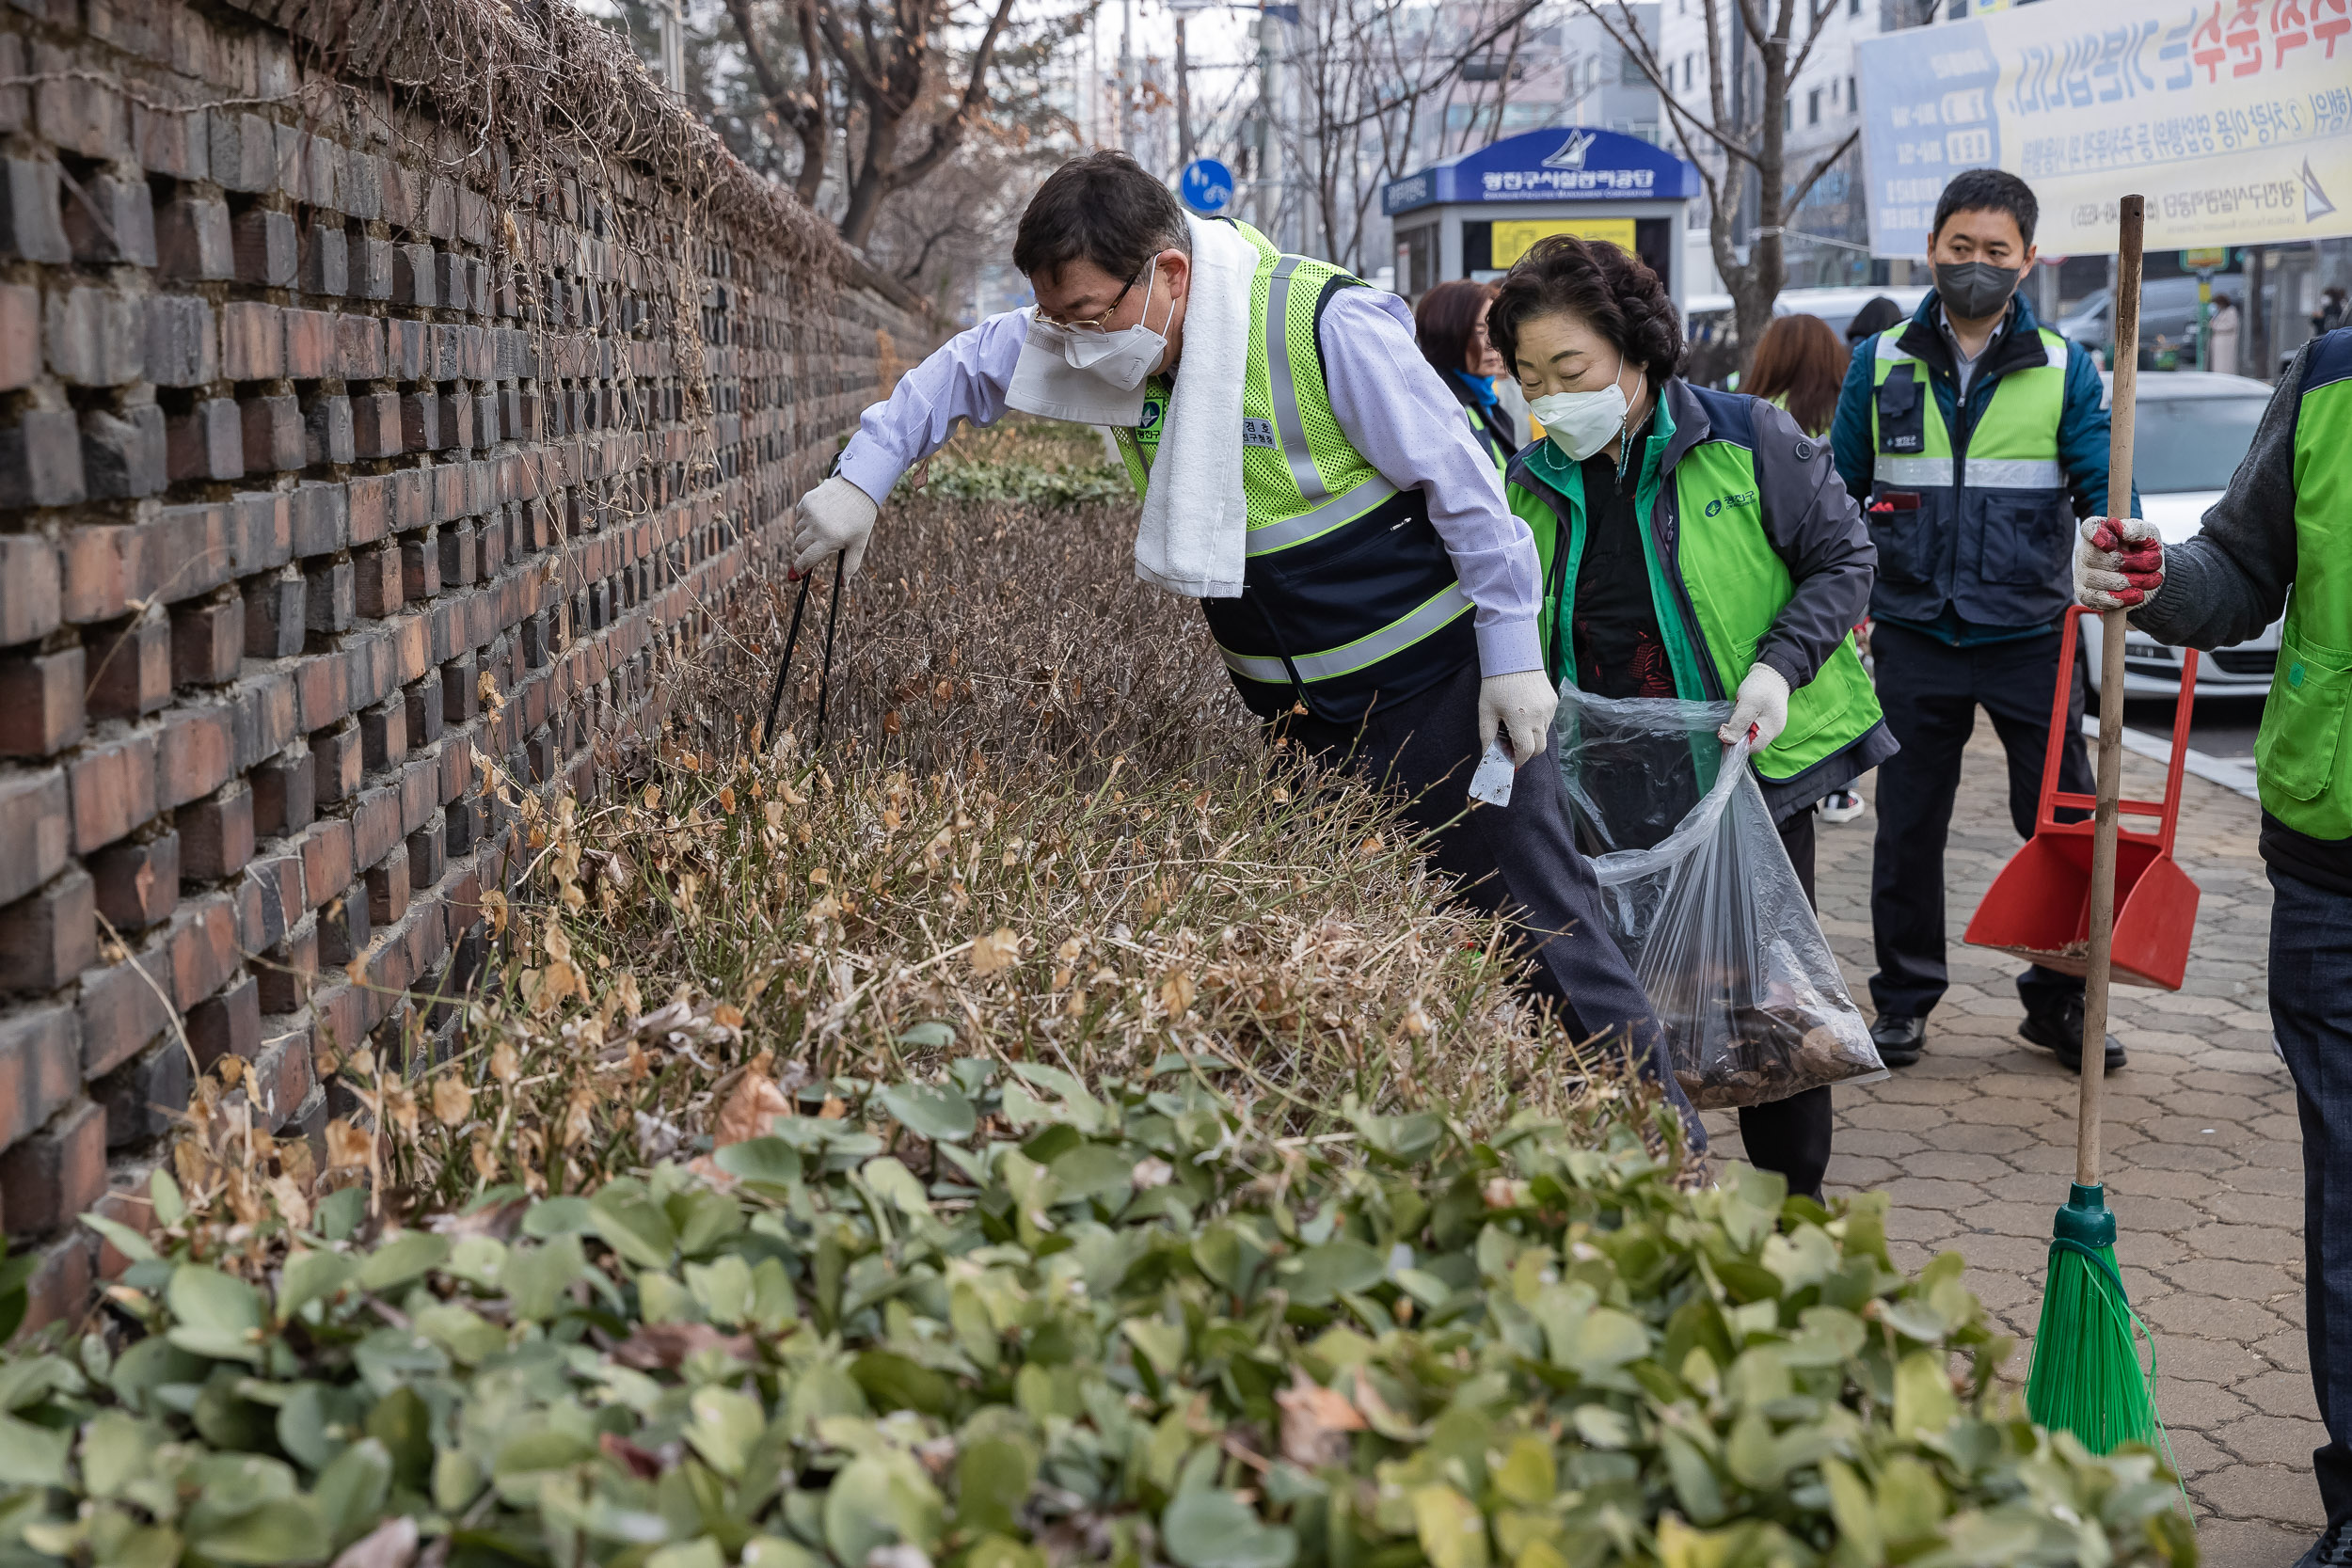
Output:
x,y
1268,150
674,45
1126,75
1184,98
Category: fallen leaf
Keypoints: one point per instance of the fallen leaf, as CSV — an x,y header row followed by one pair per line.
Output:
x,y
1000,949
1315,1422
642,1463
1176,992
1151,1171
756,1102
453,1103
346,1146
390,1544
656,1346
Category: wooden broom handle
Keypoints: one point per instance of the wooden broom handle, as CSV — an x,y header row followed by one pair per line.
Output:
x,y
2098,976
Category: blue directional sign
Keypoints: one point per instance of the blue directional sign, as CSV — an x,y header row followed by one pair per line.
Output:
x,y
1207,186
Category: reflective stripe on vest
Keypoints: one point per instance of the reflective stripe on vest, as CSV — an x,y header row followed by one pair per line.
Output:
x,y
1334,513
1389,641
1277,357
1984,473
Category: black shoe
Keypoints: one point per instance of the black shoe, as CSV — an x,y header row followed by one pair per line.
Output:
x,y
1899,1040
2060,1031
2333,1549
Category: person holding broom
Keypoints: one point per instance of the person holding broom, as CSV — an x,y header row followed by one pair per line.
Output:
x,y
1309,478
1972,435
2281,540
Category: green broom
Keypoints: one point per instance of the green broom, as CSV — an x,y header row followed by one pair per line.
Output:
x,y
2086,1377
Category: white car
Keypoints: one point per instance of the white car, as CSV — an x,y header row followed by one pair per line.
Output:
x,y
2189,432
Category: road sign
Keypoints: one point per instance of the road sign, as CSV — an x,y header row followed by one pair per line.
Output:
x,y
1207,186
2211,259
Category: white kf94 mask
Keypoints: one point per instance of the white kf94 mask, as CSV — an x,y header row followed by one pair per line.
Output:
x,y
1580,423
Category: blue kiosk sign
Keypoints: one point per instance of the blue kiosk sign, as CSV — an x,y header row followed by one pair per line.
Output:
x,y
1474,214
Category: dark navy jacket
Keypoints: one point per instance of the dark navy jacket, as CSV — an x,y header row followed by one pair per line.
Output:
x,y
2004,610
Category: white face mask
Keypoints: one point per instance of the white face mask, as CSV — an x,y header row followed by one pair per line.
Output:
x,y
1123,357
1580,423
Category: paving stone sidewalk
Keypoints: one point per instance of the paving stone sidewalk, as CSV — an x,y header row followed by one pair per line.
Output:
x,y
1976,1145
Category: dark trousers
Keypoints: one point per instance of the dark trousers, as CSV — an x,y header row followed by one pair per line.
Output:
x,y
1792,1135
1519,858
1930,692
2310,1008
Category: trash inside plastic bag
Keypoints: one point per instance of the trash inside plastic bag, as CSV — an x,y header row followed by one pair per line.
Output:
x,y
1703,900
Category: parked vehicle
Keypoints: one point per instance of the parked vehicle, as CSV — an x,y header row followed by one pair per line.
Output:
x,y
2167,311
1713,313
2191,429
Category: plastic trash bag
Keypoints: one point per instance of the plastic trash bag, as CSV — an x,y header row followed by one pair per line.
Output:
x,y
1703,900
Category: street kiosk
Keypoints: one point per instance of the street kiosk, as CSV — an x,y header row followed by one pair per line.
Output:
x,y
1474,214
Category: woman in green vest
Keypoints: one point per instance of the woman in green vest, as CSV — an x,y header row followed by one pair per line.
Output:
x,y
1696,544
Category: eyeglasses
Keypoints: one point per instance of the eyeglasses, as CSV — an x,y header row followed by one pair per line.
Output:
x,y
1094,324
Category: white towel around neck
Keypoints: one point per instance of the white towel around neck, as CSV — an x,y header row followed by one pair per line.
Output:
x,y
1194,539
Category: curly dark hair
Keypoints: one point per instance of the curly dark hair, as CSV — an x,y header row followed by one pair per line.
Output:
x,y
1612,291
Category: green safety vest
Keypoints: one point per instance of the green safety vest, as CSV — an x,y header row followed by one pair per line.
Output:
x,y
1348,592
2302,759
1987,530
1716,582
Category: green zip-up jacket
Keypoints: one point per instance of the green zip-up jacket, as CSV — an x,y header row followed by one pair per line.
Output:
x,y
1730,480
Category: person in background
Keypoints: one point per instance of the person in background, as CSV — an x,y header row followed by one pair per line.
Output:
x,y
1695,544
1975,437
1874,318
1450,324
2334,311
2277,542
1799,366
2221,352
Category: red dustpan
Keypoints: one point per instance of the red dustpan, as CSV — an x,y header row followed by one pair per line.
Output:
x,y
2039,907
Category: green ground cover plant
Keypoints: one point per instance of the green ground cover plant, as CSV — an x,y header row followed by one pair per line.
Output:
x,y
1002,1319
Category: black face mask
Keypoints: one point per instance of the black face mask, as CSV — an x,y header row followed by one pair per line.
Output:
x,y
1974,290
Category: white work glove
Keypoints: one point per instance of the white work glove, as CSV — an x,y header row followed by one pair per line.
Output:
x,y
1520,704
2118,563
1762,703
835,517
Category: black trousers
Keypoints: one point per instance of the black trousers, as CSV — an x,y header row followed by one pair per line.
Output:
x,y
1792,1135
1520,859
1930,692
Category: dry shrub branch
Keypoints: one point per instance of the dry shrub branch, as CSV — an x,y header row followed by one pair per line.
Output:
x,y
1040,827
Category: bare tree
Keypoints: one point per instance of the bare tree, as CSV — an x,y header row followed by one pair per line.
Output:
x,y
1741,136
880,70
1369,71
801,109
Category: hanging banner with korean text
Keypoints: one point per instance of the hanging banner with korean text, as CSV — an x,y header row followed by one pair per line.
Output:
x,y
2232,116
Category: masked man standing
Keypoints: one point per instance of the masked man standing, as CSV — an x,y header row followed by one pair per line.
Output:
x,y
1309,478
1974,438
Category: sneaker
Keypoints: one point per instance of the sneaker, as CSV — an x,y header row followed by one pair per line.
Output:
x,y
1840,805
1899,1040
2333,1549
2060,1031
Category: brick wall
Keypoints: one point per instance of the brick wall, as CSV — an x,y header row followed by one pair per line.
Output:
x,y
318,424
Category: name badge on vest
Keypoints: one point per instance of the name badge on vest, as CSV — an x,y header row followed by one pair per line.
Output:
x,y
1259,433
1902,412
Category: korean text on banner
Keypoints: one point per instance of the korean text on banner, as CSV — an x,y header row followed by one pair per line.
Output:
x,y
2234,118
